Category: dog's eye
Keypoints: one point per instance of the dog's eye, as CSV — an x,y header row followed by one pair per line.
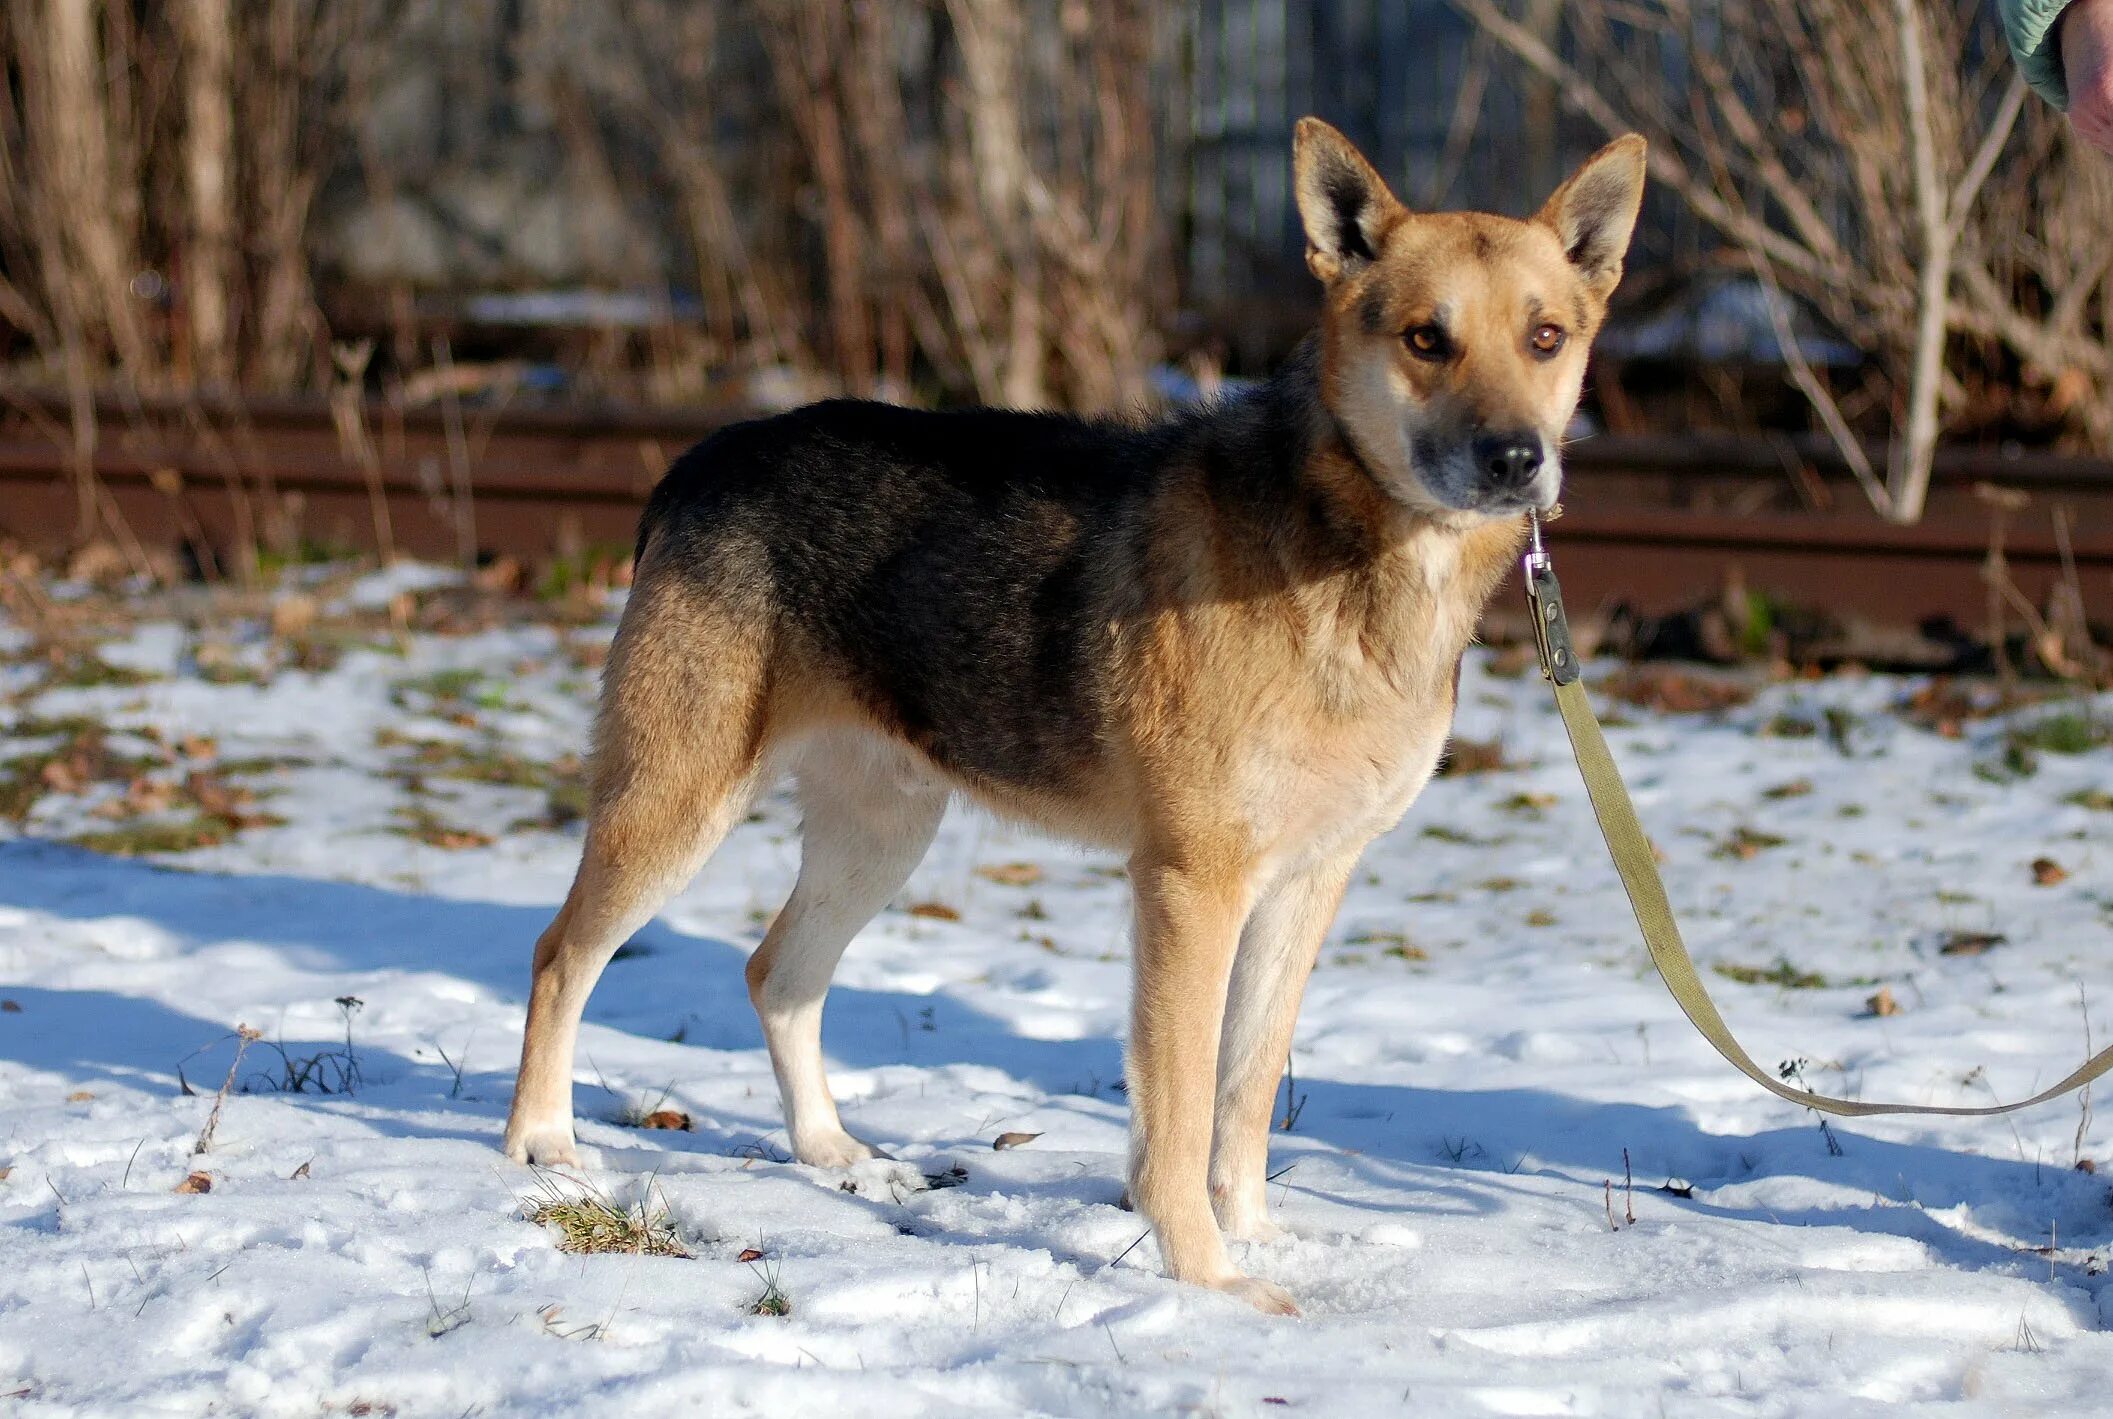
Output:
x,y
1547,339
1427,342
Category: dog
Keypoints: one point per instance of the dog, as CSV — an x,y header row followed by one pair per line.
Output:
x,y
1225,643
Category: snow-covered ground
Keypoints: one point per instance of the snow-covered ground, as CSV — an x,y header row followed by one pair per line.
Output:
x,y
1482,1053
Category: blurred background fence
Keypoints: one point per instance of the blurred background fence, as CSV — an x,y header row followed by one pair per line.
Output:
x,y
1029,200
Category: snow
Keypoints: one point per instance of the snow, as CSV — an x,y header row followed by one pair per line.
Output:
x,y
1482,1046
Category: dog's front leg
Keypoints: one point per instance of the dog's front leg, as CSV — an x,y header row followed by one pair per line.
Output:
x,y
1188,927
1277,948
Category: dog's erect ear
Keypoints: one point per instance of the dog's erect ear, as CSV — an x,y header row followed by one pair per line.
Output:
x,y
1346,209
1595,211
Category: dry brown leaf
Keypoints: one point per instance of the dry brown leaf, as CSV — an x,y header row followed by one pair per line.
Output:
x,y
149,795
1472,756
1012,1140
196,1182
1971,943
291,615
751,1254
674,1119
501,575
80,1096
97,561
1673,691
937,911
1882,1003
215,797
1011,874
301,1172
2046,872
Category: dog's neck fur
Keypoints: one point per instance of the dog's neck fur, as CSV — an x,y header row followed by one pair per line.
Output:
x,y
1399,586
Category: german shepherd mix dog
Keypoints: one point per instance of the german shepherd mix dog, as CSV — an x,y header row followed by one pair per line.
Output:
x,y
1225,643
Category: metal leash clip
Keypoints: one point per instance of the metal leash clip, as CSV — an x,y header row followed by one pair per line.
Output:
x,y
1544,602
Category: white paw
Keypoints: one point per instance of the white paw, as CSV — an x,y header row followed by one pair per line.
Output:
x,y
1265,1296
545,1144
833,1150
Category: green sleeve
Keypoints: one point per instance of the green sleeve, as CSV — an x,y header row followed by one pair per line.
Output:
x,y
2031,28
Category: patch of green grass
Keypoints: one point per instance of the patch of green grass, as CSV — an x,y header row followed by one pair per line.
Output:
x,y
20,788
260,764
2069,732
232,672
591,1224
80,758
82,669
2019,761
443,687
1392,943
2096,799
1438,832
422,824
1788,726
144,838
482,763
1744,842
70,726
563,783
773,1301
565,574
1840,725
1782,974
306,552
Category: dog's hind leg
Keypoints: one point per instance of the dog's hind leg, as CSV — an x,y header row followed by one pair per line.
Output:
x,y
678,744
1277,949
1189,915
866,820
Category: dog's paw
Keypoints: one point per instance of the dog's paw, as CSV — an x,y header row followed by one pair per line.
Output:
x,y
1265,1296
834,1150
546,1145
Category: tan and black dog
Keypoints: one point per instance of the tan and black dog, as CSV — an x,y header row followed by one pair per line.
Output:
x,y
1224,643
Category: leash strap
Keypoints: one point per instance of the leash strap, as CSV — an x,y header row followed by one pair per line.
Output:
x,y
1638,867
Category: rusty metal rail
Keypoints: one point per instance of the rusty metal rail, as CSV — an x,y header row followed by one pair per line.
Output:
x,y
1658,522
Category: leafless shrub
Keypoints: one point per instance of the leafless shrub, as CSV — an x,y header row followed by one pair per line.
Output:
x,y
1882,164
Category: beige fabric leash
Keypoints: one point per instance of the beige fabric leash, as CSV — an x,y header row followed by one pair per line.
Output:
x,y
1638,866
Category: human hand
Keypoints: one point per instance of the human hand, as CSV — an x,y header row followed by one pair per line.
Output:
x,y
2087,65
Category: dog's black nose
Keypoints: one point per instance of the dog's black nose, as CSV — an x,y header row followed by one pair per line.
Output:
x,y
1509,460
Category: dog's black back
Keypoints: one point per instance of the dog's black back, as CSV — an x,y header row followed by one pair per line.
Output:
x,y
955,567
